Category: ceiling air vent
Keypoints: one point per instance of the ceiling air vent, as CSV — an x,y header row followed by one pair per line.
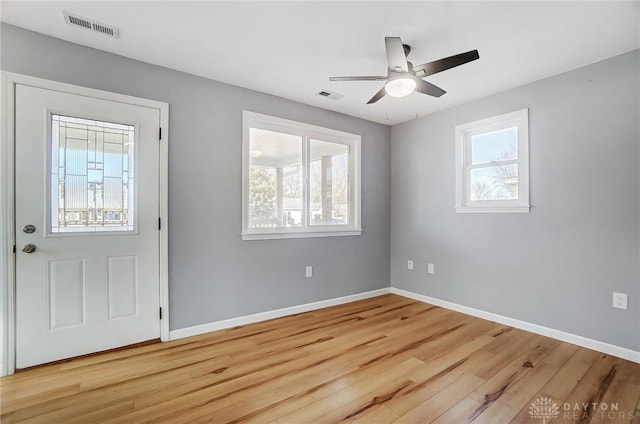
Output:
x,y
330,95
92,25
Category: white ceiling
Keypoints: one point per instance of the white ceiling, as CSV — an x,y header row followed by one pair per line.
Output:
x,y
290,49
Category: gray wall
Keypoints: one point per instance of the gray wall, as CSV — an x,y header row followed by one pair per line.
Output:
x,y
555,266
213,274
558,265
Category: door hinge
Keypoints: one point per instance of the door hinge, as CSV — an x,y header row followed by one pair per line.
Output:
x,y
160,313
159,223
160,134
14,248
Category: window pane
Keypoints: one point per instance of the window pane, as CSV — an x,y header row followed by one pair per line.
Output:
x,y
329,184
494,183
494,146
292,189
275,179
92,184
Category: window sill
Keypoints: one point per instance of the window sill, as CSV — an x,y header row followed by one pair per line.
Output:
x,y
493,209
294,235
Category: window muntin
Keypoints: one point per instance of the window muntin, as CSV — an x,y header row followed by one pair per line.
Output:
x,y
92,176
299,180
492,164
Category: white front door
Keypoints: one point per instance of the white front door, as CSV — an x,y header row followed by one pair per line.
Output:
x,y
86,214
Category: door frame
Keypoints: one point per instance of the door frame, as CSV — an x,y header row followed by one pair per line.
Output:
x,y
7,202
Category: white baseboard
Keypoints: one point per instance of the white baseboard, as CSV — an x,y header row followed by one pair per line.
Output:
x,y
609,349
263,316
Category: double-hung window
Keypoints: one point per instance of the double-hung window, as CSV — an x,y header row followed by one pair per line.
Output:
x,y
298,180
492,164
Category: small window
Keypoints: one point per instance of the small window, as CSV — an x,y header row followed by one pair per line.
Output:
x,y
299,180
492,164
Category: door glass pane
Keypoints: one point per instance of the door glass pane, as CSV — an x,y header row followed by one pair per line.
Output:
x,y
92,175
493,146
275,179
329,183
494,183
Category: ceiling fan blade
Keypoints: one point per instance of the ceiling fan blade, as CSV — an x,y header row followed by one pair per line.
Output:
x,y
440,65
364,78
380,94
425,87
395,54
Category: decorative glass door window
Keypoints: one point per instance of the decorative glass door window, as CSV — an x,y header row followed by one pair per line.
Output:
x,y
92,175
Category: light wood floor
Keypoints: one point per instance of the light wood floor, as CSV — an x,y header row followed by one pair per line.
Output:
x,y
380,360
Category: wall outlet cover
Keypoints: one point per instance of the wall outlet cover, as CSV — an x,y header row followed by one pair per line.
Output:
x,y
308,271
620,300
409,264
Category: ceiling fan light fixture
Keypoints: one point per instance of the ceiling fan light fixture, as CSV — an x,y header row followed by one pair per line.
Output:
x,y
400,87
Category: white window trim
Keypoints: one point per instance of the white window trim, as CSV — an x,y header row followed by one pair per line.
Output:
x,y
463,133
307,131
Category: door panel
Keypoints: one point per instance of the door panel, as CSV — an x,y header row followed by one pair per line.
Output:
x,y
122,283
66,288
87,179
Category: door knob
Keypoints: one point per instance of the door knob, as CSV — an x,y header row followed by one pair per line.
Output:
x,y
29,248
29,229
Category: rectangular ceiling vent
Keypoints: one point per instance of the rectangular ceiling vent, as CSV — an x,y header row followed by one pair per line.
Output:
x,y
330,95
92,25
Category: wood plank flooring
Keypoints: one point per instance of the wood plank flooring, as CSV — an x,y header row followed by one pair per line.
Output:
x,y
387,359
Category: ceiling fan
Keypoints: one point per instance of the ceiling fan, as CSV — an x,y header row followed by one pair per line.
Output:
x,y
403,78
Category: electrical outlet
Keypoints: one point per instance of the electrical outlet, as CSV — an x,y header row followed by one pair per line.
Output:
x,y
309,271
430,269
620,300
409,264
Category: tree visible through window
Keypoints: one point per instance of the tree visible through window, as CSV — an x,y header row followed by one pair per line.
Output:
x,y
262,196
492,164
299,179
494,160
